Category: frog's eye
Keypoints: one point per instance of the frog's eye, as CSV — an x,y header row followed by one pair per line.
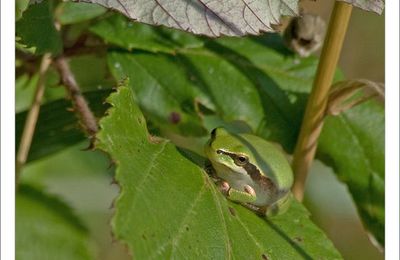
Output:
x,y
219,151
241,160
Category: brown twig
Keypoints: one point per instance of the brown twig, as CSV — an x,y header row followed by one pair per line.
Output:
x,y
316,105
31,119
81,107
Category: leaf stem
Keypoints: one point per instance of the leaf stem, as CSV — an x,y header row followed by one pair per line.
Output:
x,y
81,107
31,119
315,110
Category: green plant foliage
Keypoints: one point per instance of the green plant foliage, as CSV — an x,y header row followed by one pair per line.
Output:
x,y
249,84
354,145
262,63
283,85
25,88
36,29
20,7
69,13
283,82
91,72
119,31
47,229
58,128
169,208
168,86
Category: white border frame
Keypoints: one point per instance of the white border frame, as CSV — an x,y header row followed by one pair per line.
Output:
x,y
392,130
8,130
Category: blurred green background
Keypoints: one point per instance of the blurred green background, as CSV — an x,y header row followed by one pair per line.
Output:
x,y
69,173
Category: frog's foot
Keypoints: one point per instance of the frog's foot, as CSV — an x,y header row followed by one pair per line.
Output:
x,y
223,187
274,209
260,210
246,196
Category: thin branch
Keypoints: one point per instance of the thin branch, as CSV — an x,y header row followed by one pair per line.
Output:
x,y
31,119
81,107
316,105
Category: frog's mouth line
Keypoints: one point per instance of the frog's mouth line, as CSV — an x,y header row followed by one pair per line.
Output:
x,y
253,172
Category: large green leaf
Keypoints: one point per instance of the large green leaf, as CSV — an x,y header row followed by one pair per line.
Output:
x,y
47,229
119,31
215,18
36,29
354,145
163,90
168,85
169,208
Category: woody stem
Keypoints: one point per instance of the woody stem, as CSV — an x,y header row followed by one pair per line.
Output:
x,y
315,110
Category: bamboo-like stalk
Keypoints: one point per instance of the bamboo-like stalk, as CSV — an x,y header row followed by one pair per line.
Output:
x,y
31,119
315,110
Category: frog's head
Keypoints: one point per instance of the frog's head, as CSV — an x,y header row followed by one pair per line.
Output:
x,y
227,150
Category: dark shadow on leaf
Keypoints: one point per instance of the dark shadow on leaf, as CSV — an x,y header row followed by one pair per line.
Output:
x,y
301,251
193,157
273,41
195,76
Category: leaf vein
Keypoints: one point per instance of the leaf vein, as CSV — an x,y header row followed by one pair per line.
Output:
x,y
225,228
147,173
174,240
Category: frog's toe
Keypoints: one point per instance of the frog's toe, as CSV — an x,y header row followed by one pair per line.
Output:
x,y
249,190
224,187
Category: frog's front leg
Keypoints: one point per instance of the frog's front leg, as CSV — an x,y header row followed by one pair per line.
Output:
x,y
246,196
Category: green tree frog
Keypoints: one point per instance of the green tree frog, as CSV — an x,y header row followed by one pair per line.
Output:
x,y
251,171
